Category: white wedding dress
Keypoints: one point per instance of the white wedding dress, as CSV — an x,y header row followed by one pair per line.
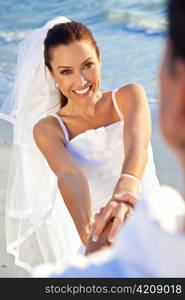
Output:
x,y
52,237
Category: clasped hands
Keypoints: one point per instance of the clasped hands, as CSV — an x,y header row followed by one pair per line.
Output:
x,y
109,220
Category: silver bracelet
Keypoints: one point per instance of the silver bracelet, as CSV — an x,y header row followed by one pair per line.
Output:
x,y
131,176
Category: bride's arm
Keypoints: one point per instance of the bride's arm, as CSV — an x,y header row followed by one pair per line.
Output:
x,y
137,131
72,183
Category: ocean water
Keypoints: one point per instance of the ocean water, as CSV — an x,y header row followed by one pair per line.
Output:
x,y
129,33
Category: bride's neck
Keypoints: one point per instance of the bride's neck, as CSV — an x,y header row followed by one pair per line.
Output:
x,y
85,112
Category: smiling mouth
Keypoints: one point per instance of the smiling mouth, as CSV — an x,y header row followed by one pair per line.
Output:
x,y
83,91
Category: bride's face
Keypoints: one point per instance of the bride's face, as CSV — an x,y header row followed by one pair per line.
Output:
x,y
76,69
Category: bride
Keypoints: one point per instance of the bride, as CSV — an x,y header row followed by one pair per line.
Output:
x,y
75,147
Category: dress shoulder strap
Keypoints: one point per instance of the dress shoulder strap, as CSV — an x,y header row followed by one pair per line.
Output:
x,y
116,104
62,125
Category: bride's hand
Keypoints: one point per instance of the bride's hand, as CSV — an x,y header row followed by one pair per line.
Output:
x,y
102,243
117,210
107,223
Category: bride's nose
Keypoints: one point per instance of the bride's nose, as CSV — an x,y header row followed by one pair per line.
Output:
x,y
80,80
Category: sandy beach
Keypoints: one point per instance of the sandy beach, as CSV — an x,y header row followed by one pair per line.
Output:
x,y
167,167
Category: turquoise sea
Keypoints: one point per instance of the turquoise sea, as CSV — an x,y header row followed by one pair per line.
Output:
x,y
129,33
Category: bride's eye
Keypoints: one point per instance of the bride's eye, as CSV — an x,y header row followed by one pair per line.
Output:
x,y
65,72
88,65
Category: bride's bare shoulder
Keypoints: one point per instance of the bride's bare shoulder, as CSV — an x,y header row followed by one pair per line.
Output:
x,y
129,89
131,96
48,127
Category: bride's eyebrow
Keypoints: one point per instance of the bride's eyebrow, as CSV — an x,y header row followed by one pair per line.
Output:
x,y
71,67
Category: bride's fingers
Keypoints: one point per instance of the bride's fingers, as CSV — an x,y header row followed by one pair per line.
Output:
x,y
127,197
130,212
102,221
99,213
96,216
102,209
120,216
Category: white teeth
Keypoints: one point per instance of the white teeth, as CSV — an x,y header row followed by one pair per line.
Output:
x,y
82,91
